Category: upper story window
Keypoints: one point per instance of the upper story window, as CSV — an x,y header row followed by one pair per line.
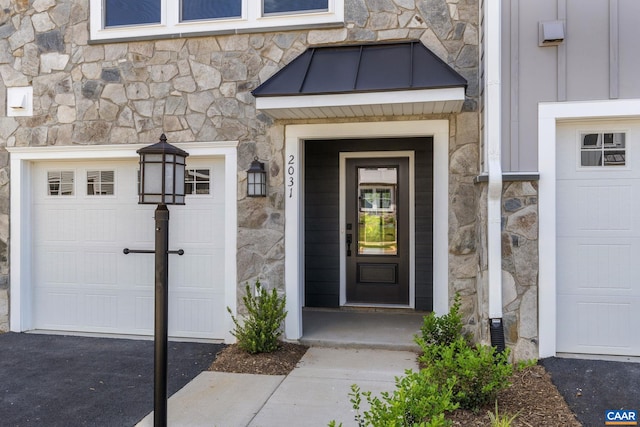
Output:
x,y
293,6
114,19
603,149
194,10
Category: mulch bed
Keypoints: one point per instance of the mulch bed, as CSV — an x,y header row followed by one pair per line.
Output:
x,y
280,362
532,397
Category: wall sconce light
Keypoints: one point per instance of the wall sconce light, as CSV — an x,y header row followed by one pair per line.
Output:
x,y
256,179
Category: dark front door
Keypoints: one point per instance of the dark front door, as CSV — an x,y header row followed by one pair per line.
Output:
x,y
377,230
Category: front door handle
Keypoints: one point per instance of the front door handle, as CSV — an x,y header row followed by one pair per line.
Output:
x,y
349,244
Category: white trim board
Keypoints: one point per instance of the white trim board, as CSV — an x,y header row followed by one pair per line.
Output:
x,y
406,102
251,20
21,160
367,98
548,116
294,202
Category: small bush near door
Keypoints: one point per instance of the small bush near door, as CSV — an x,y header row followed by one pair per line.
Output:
x,y
480,371
261,328
441,330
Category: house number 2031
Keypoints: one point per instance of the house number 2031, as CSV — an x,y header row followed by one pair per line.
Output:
x,y
290,172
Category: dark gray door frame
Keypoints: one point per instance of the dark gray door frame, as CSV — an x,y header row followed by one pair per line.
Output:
x,y
411,226
377,273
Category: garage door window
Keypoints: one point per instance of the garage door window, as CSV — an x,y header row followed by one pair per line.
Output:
x,y
60,183
197,181
100,183
603,149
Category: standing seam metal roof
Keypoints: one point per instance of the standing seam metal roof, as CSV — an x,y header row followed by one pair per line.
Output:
x,y
361,68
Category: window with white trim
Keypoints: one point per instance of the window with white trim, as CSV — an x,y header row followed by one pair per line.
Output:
x,y
602,149
112,19
60,183
197,181
100,183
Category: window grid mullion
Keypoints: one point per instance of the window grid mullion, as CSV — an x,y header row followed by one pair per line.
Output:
x,y
171,12
251,10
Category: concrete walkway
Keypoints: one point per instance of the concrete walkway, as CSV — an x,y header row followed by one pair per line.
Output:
x,y
314,393
390,330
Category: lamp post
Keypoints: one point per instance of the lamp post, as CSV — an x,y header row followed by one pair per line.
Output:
x,y
161,183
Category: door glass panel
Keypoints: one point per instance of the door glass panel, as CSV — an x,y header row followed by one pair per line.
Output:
x,y
377,216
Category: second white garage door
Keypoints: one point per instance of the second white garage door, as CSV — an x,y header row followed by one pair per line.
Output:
x,y
598,238
86,213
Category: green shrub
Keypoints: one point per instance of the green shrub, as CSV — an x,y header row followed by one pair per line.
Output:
x,y
441,330
417,401
261,328
479,371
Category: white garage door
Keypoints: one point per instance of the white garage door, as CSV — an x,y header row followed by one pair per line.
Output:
x,y
598,238
86,213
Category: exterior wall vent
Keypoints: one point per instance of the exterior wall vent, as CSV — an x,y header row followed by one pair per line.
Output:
x,y
550,33
19,101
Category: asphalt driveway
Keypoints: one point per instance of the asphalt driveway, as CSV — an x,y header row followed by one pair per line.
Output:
x,y
52,380
591,387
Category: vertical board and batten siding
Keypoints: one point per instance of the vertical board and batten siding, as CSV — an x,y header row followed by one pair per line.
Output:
x,y
322,245
598,60
629,60
587,51
424,225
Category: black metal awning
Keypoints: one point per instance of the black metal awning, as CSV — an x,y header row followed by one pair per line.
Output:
x,y
369,79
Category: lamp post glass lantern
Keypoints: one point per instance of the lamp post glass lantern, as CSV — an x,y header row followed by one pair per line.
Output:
x,y
161,182
162,174
256,179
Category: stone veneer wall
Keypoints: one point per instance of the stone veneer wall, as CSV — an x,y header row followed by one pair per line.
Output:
x,y
464,207
198,89
519,267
